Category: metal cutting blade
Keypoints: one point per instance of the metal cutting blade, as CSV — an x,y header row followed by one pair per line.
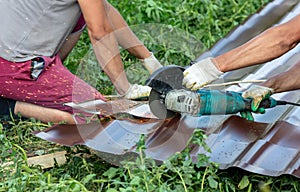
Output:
x,y
162,81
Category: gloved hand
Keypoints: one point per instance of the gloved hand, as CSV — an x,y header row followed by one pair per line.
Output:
x,y
257,93
151,63
200,74
137,92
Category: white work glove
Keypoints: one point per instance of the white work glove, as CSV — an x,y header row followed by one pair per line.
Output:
x,y
200,74
151,63
257,93
137,92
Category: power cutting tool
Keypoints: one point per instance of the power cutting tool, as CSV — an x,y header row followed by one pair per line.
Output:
x,y
168,97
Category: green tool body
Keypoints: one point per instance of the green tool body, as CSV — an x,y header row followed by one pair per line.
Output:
x,y
227,102
212,102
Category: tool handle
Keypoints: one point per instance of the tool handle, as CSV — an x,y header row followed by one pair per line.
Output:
x,y
227,102
266,103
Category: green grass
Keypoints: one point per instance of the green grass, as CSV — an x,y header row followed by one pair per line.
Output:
x,y
203,22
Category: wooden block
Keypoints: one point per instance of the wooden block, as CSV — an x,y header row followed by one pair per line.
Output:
x,y
48,160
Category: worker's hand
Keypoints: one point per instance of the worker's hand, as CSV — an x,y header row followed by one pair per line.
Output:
x,y
138,92
257,93
151,63
247,115
200,74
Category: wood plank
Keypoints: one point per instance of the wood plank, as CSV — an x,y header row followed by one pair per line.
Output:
x,y
45,161
48,160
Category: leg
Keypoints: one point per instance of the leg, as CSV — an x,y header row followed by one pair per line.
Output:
x,y
42,113
11,108
43,98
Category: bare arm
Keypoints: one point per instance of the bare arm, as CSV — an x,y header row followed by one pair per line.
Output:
x,y
269,45
287,81
125,36
68,45
104,42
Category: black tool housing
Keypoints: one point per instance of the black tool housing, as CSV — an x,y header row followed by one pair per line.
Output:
x,y
162,81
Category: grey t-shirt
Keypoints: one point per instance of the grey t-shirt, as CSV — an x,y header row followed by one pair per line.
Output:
x,y
31,28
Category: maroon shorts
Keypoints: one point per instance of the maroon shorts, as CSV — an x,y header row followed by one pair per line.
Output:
x,y
55,85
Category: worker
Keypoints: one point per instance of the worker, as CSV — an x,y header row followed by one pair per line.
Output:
x,y
277,84
270,44
36,36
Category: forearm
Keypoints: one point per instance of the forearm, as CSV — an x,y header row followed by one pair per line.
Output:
x,y
108,56
267,46
104,42
124,35
287,81
259,50
68,45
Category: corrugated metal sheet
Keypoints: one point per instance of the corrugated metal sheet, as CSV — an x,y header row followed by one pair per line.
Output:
x,y
269,146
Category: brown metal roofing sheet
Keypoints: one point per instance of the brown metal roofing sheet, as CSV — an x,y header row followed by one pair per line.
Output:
x,y
117,106
268,146
257,147
254,147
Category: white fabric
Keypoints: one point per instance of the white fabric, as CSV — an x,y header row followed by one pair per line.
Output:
x,y
32,28
151,63
257,93
200,74
137,91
